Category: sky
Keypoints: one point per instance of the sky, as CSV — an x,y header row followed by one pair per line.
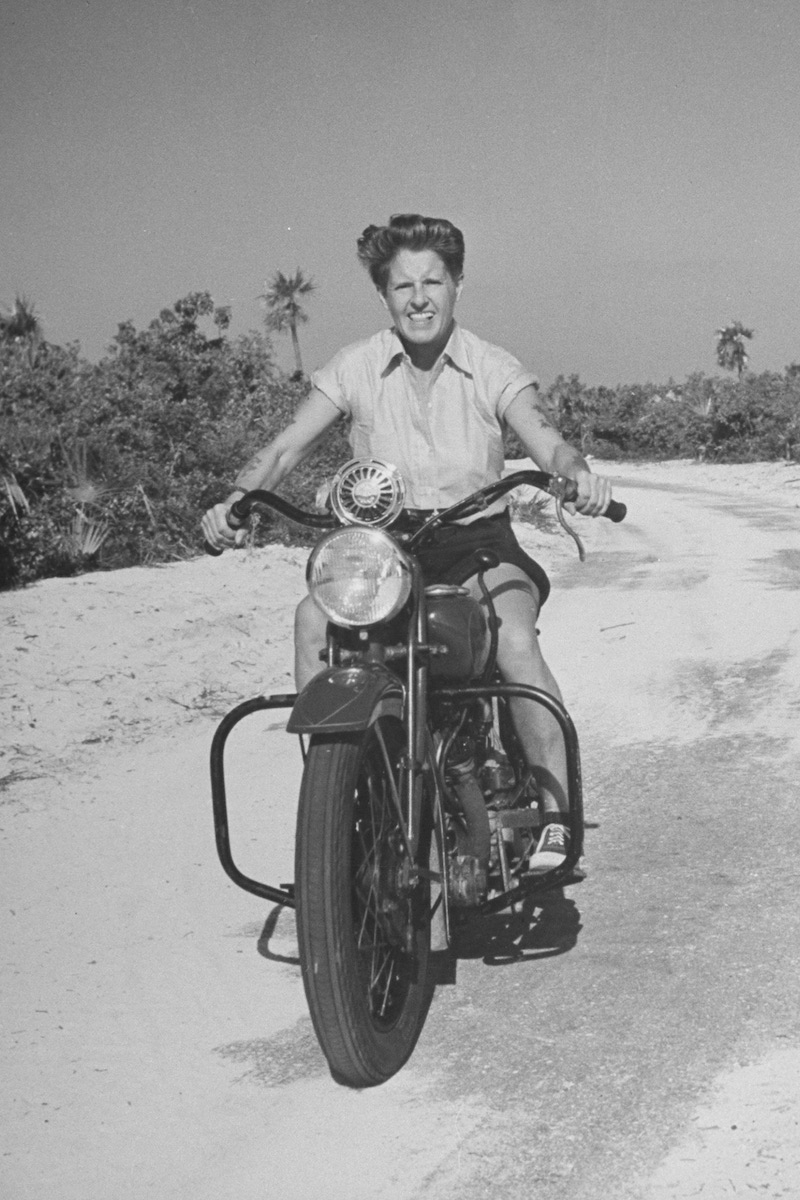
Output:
x,y
626,172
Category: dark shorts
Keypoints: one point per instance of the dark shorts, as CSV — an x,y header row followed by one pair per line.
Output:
x,y
448,556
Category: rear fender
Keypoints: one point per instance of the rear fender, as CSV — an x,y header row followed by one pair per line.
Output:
x,y
346,699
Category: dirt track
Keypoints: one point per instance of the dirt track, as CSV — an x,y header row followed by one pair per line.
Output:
x,y
639,1039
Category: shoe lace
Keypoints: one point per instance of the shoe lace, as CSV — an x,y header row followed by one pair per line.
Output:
x,y
556,837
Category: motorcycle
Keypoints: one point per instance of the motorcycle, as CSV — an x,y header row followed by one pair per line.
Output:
x,y
417,807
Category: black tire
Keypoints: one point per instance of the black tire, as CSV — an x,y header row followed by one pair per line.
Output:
x,y
364,938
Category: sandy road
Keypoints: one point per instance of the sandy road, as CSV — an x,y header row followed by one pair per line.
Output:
x,y
156,1040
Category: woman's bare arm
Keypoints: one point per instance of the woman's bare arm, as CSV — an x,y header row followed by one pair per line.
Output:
x,y
550,452
273,463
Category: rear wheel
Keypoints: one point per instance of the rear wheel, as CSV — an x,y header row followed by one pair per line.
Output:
x,y
363,920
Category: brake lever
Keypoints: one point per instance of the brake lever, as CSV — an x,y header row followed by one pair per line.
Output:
x,y
568,528
563,491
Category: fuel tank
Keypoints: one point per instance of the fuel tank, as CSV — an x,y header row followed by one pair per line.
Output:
x,y
456,621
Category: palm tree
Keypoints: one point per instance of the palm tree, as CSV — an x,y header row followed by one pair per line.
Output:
x,y
731,354
20,324
283,307
22,329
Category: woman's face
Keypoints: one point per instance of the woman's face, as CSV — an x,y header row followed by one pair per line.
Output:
x,y
421,296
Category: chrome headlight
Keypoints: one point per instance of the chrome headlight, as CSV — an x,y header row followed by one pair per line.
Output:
x,y
358,576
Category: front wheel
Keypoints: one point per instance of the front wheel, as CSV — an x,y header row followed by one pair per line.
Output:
x,y
363,919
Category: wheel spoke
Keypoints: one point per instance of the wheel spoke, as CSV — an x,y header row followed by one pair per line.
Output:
x,y
380,913
389,964
395,791
364,940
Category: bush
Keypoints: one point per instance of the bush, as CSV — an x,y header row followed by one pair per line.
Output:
x,y
751,419
111,465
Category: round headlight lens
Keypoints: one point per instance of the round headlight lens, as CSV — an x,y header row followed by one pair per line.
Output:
x,y
358,576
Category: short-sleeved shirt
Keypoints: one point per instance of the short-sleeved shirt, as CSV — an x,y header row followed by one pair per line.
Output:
x,y
445,439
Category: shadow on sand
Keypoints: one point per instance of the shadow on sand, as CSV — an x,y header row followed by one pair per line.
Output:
x,y
278,939
543,927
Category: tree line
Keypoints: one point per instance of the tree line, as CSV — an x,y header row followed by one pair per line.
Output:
x,y
109,464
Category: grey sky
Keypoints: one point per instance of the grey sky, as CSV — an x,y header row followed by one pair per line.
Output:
x,y
626,172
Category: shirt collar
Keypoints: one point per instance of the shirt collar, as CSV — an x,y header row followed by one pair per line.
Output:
x,y
454,352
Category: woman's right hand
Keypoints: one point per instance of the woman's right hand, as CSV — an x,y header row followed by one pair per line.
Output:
x,y
218,534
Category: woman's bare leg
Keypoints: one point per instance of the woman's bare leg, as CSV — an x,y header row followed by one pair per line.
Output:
x,y
520,660
310,631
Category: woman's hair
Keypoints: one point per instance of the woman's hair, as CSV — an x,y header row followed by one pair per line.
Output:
x,y
379,244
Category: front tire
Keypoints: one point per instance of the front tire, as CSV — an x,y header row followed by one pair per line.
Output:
x,y
363,929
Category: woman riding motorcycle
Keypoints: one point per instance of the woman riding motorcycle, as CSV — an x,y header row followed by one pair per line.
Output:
x,y
431,398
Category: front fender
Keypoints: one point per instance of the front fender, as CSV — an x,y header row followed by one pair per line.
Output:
x,y
346,699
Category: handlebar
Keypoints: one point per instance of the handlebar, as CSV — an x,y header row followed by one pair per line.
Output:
x,y
241,509
558,486
562,489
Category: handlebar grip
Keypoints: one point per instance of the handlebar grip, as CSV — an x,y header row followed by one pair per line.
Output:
x,y
236,518
616,511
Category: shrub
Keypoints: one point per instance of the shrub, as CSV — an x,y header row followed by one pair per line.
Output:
x,y
112,464
138,445
754,418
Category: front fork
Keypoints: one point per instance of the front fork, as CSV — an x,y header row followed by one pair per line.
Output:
x,y
309,715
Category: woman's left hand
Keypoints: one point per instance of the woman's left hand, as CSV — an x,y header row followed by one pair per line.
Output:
x,y
594,494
